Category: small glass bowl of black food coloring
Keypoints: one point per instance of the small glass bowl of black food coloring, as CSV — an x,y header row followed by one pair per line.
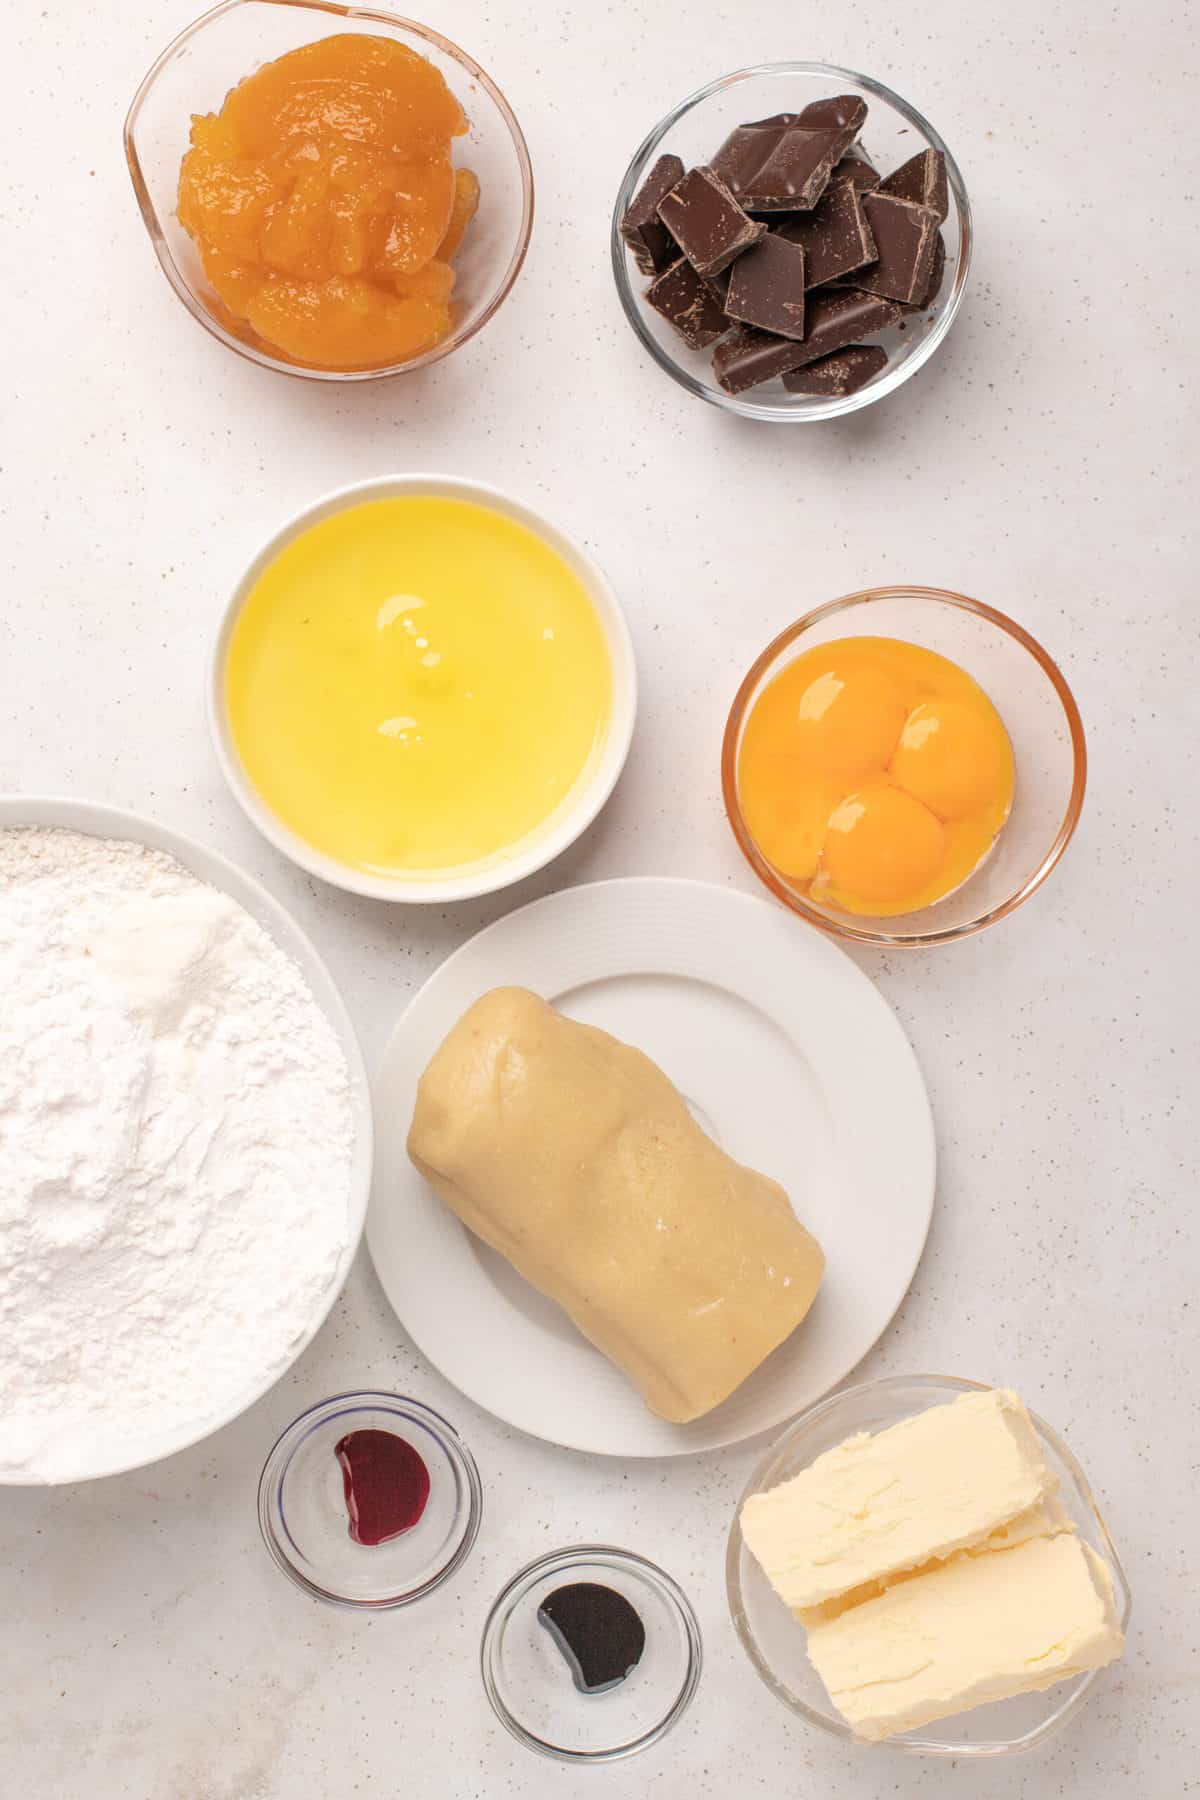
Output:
x,y
590,1654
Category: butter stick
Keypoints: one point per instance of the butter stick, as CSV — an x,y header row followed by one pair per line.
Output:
x,y
1046,1519
878,1505
978,1629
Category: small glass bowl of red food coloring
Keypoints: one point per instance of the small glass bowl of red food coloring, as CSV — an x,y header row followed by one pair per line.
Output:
x,y
370,1500
535,1679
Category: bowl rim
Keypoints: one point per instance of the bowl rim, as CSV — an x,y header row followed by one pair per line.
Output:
x,y
96,819
569,1557
594,789
953,1384
278,1461
744,405
397,24
844,925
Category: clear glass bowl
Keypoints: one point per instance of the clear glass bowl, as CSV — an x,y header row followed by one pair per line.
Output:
x,y
1038,710
894,131
197,70
527,1680
775,1642
302,1505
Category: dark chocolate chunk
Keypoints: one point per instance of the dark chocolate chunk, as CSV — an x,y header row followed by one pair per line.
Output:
x,y
922,181
855,170
706,221
718,285
837,317
599,1633
689,304
841,112
776,120
778,165
747,357
834,236
937,274
653,247
905,236
766,287
833,377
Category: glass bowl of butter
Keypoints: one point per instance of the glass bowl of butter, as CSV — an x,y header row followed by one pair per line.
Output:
x,y
1013,1560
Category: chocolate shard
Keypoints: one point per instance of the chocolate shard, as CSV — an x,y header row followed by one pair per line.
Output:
x,y
706,221
835,319
688,302
922,182
775,121
653,247
748,357
937,274
766,287
778,165
835,235
905,236
844,372
856,170
718,285
840,112
838,317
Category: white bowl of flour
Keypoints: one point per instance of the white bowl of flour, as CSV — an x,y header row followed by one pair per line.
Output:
x,y
185,1141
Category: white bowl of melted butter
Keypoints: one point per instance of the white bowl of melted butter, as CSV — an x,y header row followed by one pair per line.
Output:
x,y
421,690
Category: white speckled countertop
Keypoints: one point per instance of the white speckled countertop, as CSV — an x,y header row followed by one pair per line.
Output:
x,y
1045,461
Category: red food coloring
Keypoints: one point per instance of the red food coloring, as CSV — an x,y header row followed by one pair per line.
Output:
x,y
386,1484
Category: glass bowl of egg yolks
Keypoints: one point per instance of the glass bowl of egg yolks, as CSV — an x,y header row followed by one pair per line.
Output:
x,y
339,194
903,766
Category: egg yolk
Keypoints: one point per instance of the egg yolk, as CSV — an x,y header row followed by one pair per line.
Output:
x,y
325,206
842,725
874,775
788,819
954,756
882,846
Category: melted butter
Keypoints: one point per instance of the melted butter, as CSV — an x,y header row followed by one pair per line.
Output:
x,y
417,685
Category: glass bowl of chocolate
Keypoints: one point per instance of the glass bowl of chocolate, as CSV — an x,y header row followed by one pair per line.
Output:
x,y
792,242
337,194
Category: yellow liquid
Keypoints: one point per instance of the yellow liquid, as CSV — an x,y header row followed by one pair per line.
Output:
x,y
417,685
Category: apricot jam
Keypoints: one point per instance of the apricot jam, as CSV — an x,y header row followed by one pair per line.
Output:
x,y
325,207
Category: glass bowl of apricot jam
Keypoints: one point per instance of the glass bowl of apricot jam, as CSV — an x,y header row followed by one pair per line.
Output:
x,y
903,766
335,193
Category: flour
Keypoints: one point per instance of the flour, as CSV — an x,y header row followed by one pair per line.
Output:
x,y
176,1136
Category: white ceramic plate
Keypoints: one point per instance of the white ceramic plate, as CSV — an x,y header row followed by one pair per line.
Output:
x,y
788,1056
109,822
